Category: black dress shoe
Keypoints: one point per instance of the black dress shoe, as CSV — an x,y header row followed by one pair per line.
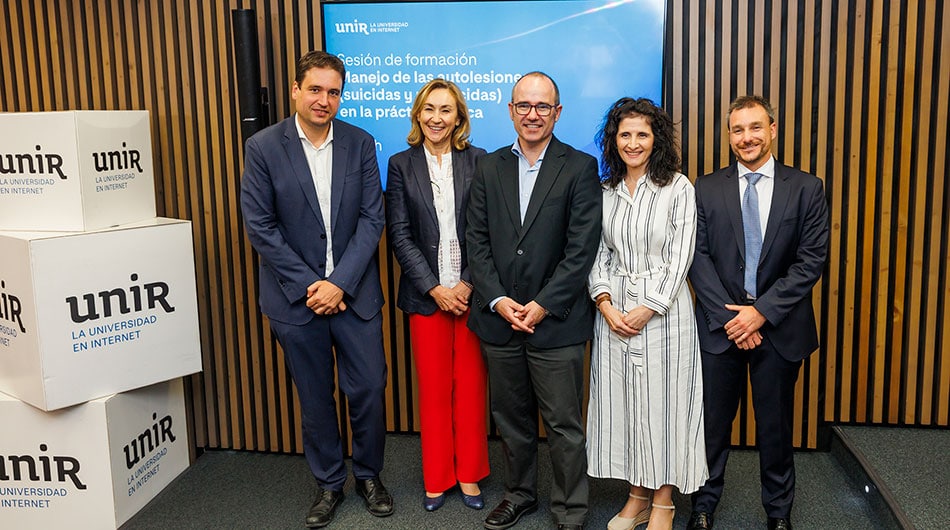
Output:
x,y
323,508
700,521
779,523
378,501
507,513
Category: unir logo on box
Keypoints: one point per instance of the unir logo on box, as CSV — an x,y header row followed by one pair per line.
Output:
x,y
66,467
32,163
10,308
101,304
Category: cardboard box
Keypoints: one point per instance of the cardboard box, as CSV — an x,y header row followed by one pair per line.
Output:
x,y
94,465
85,315
75,170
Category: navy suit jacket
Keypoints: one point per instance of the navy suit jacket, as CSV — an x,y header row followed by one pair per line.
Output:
x,y
794,251
285,225
546,259
414,226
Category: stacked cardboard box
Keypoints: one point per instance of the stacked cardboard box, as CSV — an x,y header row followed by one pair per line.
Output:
x,y
97,301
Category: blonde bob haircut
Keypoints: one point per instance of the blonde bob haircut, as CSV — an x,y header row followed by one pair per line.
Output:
x,y
460,134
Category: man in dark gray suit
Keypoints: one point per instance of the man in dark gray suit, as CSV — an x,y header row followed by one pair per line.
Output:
x,y
761,245
533,230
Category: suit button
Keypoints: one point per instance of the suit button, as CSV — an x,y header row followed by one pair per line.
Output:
x,y
520,252
323,236
322,265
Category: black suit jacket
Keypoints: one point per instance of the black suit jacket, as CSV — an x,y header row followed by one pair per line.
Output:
x,y
794,251
548,258
414,226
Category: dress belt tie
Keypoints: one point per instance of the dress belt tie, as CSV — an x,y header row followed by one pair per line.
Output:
x,y
637,275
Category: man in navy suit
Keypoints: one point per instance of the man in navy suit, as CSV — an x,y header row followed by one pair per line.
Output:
x,y
761,245
312,204
533,229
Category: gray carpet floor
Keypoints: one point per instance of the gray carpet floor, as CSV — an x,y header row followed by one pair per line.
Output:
x,y
915,465
237,490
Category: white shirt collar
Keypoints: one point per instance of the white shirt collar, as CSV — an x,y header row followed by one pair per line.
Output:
x,y
516,149
447,157
767,170
303,136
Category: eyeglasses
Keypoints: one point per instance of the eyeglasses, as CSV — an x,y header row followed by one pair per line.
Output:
x,y
523,109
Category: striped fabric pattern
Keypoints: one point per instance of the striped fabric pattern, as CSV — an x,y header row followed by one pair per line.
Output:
x,y
645,415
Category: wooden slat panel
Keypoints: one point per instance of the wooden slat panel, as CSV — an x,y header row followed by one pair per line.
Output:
x,y
870,122
822,69
20,70
938,141
888,272
832,119
908,293
843,218
8,73
854,95
45,75
925,302
690,102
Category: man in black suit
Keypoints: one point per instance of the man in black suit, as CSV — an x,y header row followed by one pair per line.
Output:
x,y
761,245
533,229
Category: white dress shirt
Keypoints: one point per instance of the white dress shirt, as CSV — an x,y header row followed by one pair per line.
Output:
x,y
320,162
527,176
443,197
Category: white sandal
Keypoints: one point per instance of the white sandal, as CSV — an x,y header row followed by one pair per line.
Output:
x,y
662,507
629,523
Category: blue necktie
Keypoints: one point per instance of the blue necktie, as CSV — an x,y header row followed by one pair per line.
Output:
x,y
752,229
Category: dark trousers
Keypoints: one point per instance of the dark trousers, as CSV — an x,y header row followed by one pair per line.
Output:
x,y
361,371
773,390
523,379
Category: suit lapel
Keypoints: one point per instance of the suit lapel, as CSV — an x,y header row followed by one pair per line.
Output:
x,y
550,169
458,180
341,149
419,173
298,161
780,193
730,190
508,174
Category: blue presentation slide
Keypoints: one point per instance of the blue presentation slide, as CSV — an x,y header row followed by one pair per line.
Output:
x,y
596,51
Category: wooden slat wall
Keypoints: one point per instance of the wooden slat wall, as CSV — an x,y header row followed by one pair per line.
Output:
x,y
861,88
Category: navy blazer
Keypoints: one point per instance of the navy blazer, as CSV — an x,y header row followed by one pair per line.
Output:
x,y
414,226
284,223
548,258
794,251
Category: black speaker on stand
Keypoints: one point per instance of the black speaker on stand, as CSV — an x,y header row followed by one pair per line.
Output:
x,y
252,97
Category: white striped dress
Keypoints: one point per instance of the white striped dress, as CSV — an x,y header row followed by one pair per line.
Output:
x,y
645,417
